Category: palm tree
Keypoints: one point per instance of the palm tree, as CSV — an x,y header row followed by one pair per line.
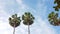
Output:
x,y
14,21
28,19
53,18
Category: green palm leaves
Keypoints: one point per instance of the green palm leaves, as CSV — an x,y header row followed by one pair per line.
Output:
x,y
27,18
58,5
53,18
14,20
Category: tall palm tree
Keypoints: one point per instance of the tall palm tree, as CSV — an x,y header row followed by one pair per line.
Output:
x,y
14,21
28,19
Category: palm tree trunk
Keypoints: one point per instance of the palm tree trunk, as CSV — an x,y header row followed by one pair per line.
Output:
x,y
14,30
28,29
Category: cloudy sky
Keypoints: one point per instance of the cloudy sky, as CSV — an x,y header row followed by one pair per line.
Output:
x,y
40,10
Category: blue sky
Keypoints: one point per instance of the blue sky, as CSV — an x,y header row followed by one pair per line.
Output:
x,y
39,8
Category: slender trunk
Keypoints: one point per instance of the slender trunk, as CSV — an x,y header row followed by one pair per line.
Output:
x,y
14,30
28,29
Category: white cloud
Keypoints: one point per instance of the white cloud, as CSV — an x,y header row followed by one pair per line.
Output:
x,y
5,28
4,25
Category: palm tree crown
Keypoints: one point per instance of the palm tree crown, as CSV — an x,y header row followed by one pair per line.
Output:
x,y
27,18
53,18
14,20
57,6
